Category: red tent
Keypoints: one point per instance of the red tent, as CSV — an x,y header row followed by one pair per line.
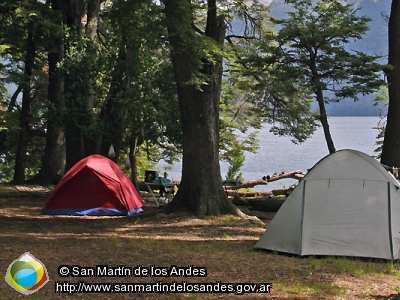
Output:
x,y
94,186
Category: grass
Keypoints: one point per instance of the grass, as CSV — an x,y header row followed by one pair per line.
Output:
x,y
355,266
223,245
328,289
224,220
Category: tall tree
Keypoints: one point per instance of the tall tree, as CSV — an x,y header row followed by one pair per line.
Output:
x,y
23,139
108,81
197,62
391,143
54,153
22,29
313,56
82,70
141,104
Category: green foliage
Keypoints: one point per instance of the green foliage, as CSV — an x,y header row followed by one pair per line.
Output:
x,y
267,75
235,157
255,71
312,44
142,161
148,92
236,117
9,142
382,100
18,20
85,66
15,19
308,59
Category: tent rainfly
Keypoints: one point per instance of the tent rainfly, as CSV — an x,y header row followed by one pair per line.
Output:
x,y
94,186
346,205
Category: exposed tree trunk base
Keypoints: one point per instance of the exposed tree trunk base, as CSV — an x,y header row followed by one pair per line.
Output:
x,y
40,179
225,208
213,206
219,205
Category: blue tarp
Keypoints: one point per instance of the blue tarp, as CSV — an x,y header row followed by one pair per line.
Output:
x,y
92,212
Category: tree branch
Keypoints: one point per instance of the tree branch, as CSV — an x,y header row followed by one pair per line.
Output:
x,y
198,30
229,37
14,97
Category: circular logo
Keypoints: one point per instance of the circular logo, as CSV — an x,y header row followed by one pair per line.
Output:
x,y
27,274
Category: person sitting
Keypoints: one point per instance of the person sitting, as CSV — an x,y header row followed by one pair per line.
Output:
x,y
165,188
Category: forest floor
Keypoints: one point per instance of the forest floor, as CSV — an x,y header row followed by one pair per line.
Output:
x,y
221,246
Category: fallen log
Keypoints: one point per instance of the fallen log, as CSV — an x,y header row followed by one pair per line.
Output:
x,y
240,201
248,194
247,184
275,192
298,175
271,204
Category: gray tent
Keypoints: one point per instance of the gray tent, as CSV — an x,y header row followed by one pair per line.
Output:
x,y
347,205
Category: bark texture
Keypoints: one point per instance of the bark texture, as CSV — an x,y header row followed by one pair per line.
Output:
x,y
53,162
391,145
201,190
24,133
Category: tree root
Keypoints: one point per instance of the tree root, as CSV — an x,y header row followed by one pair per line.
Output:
x,y
251,219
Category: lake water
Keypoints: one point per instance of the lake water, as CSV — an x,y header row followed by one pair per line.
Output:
x,y
277,154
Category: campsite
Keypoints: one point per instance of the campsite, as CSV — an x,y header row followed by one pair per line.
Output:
x,y
95,94
224,246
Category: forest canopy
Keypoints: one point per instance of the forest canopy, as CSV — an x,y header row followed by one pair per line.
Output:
x,y
91,74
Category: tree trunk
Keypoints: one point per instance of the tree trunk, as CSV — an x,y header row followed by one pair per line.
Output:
x,y
24,135
391,144
200,190
79,143
54,152
73,11
92,18
323,117
133,162
113,114
91,141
